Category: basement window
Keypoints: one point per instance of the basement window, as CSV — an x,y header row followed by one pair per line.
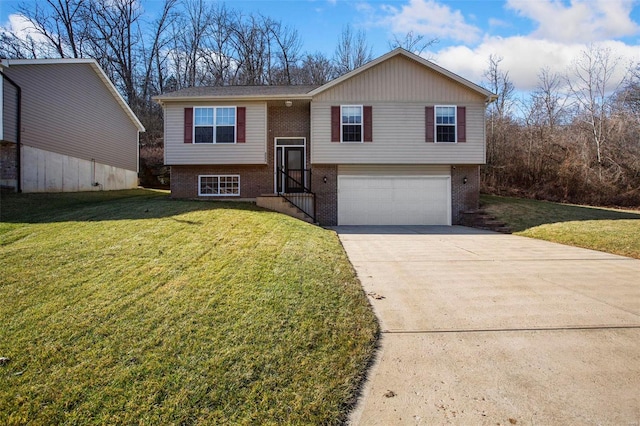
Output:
x,y
219,185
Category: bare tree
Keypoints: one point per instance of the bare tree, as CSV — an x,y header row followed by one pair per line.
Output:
x,y
114,35
253,50
352,51
412,42
153,59
219,59
61,23
12,46
315,69
497,81
287,44
189,35
592,73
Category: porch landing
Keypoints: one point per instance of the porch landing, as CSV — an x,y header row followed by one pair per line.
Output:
x,y
277,203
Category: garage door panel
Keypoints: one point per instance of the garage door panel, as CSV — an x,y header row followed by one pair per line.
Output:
x,y
394,200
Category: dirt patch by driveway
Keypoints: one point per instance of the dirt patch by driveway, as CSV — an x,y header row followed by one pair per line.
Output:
x,y
486,328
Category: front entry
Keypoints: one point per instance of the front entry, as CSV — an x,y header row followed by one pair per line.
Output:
x,y
290,161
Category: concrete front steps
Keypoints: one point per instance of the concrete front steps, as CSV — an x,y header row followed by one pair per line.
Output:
x,y
480,219
280,205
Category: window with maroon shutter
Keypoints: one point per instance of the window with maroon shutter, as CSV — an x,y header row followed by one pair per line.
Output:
x,y
188,125
445,124
352,123
430,128
335,124
241,125
462,123
368,124
214,125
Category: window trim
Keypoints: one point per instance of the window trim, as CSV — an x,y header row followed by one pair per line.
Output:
x,y
351,124
200,194
215,125
435,123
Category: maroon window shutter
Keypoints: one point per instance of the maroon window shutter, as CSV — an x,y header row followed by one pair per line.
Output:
x,y
367,123
188,125
241,124
462,124
430,119
335,124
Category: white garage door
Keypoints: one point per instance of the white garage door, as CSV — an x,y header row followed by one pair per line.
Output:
x,y
394,200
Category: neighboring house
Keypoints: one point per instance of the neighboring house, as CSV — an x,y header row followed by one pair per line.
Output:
x,y
397,141
73,129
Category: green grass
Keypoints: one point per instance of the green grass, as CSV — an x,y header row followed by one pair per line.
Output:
x,y
130,308
608,230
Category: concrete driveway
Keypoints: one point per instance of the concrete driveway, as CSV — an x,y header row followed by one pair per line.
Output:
x,y
486,328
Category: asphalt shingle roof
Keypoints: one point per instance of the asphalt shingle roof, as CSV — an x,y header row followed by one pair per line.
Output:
x,y
239,91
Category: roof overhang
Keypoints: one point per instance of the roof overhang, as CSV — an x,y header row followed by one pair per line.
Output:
x,y
96,68
161,99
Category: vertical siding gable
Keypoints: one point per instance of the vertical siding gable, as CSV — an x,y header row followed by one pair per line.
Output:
x,y
400,79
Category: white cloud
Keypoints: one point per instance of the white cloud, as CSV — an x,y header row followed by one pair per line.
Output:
x,y
524,57
581,21
431,19
22,28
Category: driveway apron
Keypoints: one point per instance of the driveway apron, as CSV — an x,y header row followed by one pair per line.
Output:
x,y
486,328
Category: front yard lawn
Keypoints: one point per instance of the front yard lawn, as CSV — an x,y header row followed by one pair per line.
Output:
x,y
130,308
609,230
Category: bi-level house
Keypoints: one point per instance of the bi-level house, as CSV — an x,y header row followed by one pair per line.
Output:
x,y
397,141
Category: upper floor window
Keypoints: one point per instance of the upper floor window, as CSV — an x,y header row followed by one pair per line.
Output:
x,y
351,123
445,123
214,124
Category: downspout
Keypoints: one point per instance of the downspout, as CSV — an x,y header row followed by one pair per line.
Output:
x,y
18,132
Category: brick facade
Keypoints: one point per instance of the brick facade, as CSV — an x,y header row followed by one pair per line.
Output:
x,y
326,193
464,196
255,180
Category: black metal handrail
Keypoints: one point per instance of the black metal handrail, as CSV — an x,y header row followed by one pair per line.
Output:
x,y
290,197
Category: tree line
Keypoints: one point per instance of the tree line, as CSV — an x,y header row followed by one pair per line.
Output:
x,y
189,43
575,138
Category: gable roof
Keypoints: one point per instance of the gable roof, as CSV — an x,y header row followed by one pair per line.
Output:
x,y
308,92
402,52
94,66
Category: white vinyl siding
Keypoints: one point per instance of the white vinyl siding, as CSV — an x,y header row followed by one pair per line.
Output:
x,y
399,130
253,151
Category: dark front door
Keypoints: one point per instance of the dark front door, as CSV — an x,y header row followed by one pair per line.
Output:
x,y
294,166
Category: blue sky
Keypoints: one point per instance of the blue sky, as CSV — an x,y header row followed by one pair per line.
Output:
x,y
528,34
